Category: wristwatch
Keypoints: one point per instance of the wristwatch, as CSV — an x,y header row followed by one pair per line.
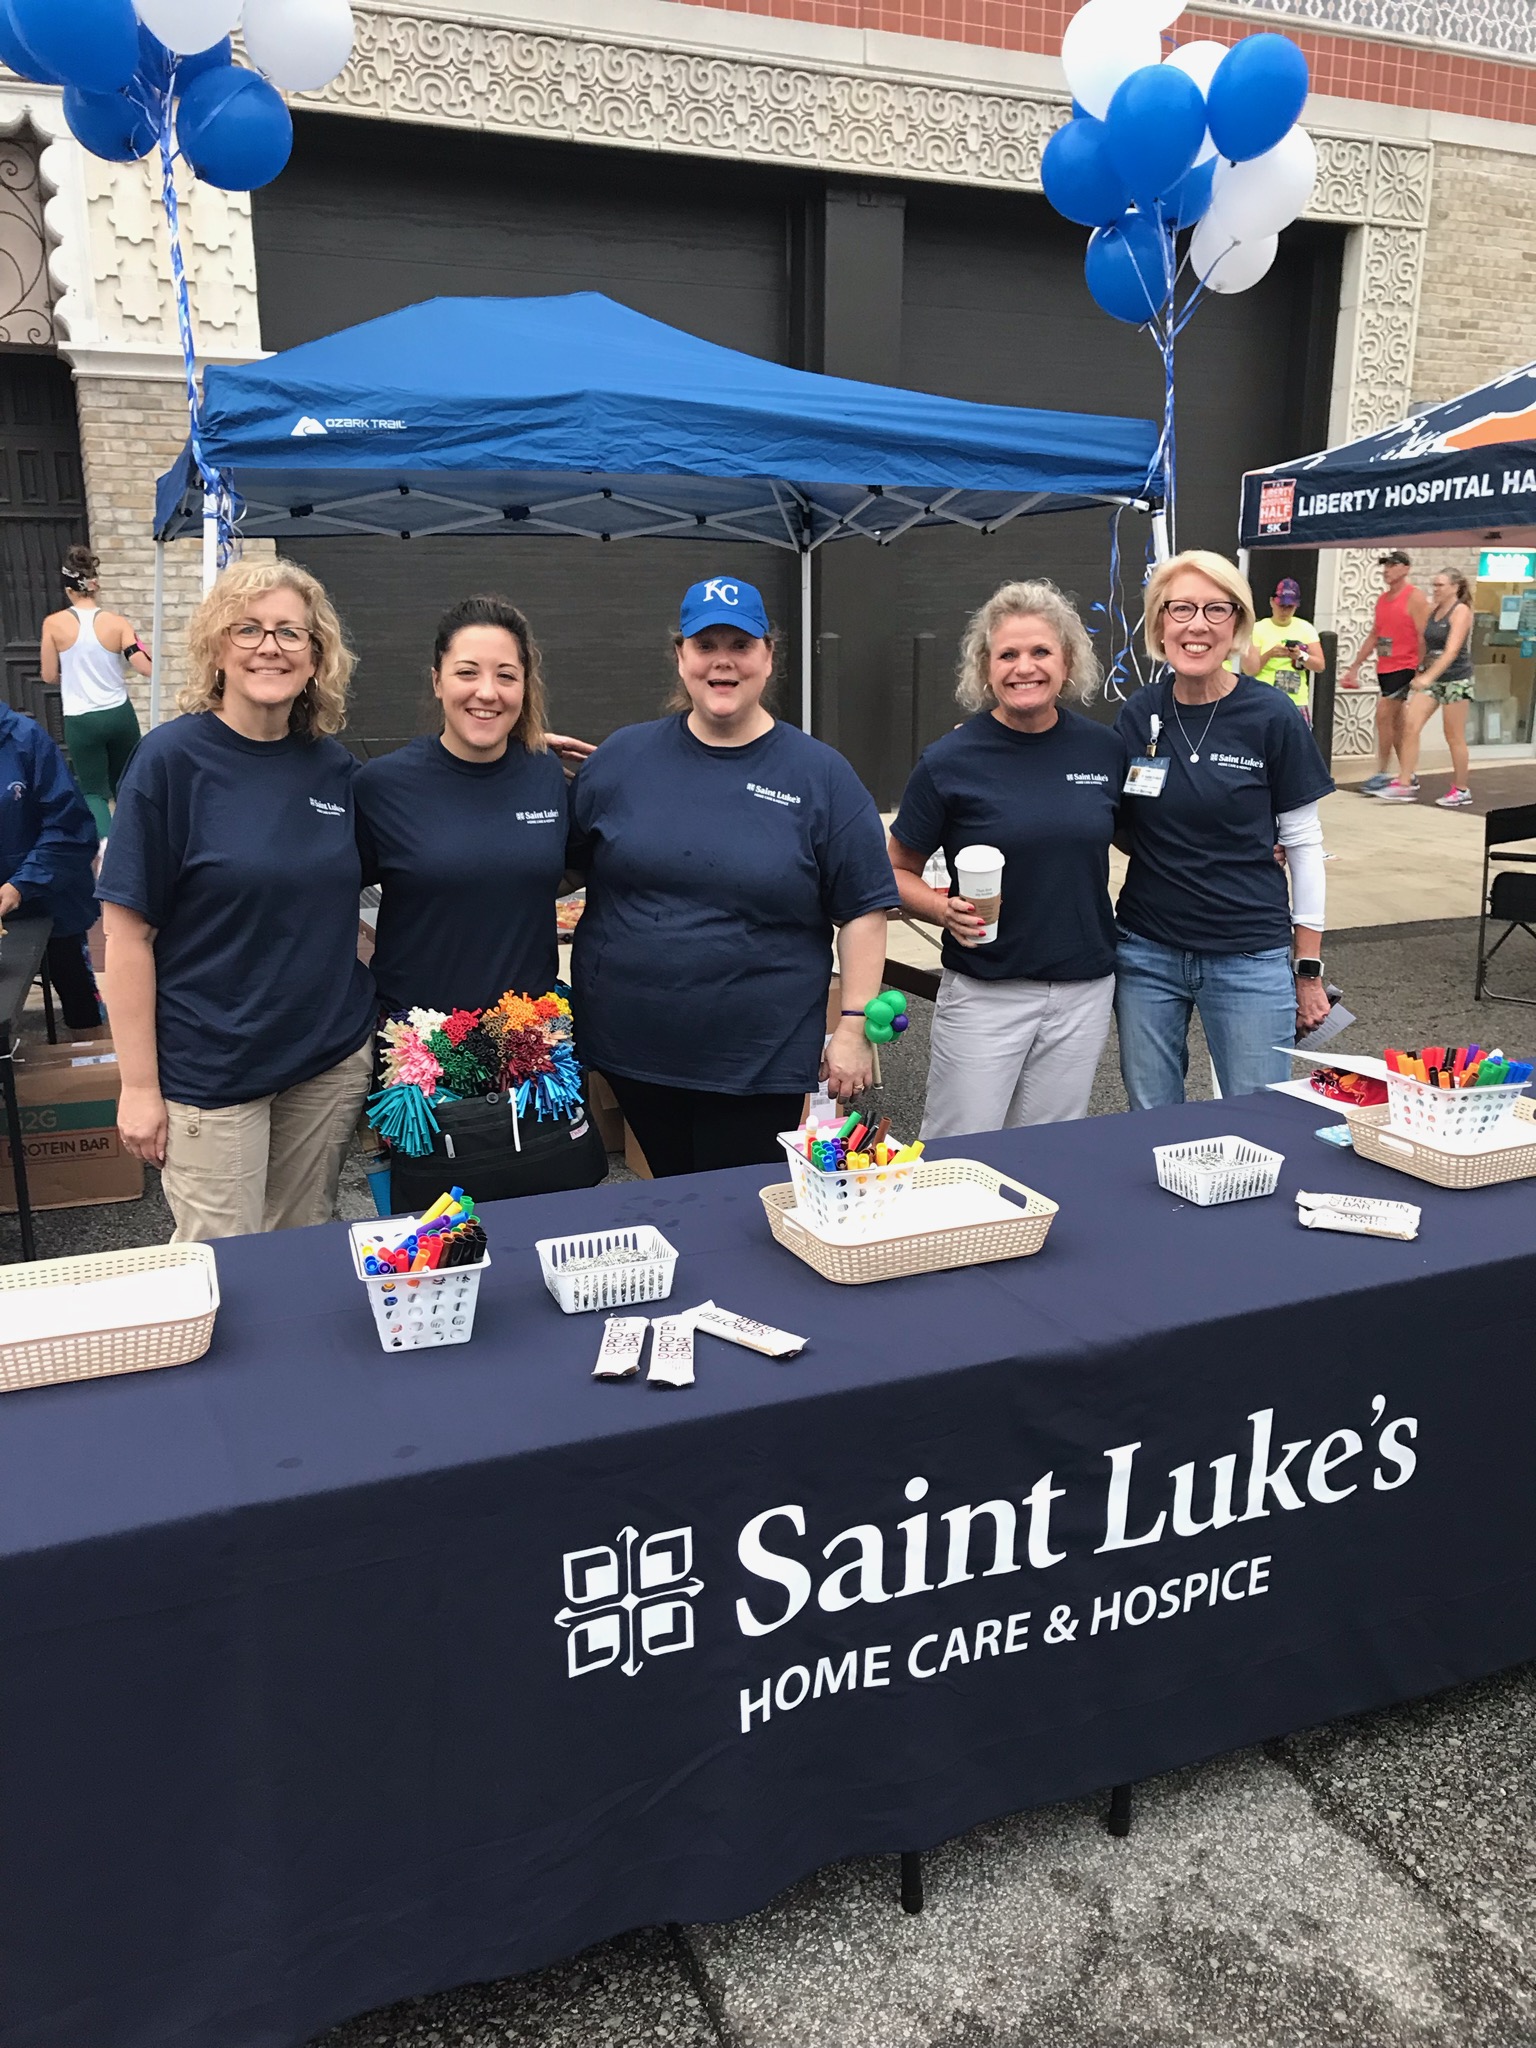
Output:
x,y
1308,970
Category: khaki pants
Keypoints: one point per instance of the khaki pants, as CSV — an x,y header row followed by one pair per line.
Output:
x,y
1006,1053
272,1164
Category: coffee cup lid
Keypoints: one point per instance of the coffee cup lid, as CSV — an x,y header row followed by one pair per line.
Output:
x,y
979,857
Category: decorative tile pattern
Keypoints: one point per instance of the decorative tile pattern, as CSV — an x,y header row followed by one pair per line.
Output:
x,y
1505,26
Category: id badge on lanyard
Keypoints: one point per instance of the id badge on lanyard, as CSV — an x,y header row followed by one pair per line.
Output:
x,y
1147,774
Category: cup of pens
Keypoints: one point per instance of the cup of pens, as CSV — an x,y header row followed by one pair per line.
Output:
x,y
1453,1095
847,1176
422,1273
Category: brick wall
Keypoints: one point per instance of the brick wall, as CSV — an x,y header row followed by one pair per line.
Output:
x,y
131,429
1477,303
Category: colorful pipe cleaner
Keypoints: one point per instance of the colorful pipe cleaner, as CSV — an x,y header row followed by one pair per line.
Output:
x,y
521,1045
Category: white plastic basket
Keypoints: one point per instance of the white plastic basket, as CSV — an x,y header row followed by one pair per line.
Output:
x,y
1211,1170
849,1205
1459,1117
648,1278
417,1311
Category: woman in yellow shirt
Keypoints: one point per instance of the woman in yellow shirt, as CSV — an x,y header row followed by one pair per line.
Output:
x,y
1284,649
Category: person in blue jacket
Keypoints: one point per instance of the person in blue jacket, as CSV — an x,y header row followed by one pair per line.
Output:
x,y
721,848
47,846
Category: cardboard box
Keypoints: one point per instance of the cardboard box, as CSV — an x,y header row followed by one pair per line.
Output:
x,y
68,1098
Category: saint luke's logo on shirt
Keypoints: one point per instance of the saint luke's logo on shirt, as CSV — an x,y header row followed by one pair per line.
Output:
x,y
772,796
1086,781
328,810
537,817
628,1599
1248,761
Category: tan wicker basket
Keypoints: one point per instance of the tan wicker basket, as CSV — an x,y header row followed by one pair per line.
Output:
x,y
928,1251
97,1354
1438,1164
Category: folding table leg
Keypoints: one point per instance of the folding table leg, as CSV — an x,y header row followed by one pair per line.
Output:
x,y
18,1155
1118,1819
911,1882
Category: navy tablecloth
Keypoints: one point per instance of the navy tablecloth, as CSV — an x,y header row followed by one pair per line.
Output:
x,y
329,1676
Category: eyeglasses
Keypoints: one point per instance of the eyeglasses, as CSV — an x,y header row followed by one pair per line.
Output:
x,y
1217,613
288,638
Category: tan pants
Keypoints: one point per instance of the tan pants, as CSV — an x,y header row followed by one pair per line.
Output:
x,y
272,1164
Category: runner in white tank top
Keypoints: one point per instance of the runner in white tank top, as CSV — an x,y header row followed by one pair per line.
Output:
x,y
84,650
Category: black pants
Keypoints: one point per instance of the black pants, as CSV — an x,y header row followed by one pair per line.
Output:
x,y
69,969
688,1130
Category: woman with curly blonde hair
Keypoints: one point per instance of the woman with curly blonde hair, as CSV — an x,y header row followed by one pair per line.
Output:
x,y
241,1013
1021,1018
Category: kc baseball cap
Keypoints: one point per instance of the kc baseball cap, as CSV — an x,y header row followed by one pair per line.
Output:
x,y
722,601
1394,555
1287,591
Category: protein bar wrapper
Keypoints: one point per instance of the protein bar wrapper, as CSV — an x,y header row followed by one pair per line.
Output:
x,y
755,1336
1355,1226
1362,1205
671,1352
623,1342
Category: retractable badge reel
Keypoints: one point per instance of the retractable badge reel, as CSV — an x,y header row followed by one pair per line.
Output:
x,y
1147,773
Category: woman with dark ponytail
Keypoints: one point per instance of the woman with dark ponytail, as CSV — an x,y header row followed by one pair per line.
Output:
x,y
465,829
84,650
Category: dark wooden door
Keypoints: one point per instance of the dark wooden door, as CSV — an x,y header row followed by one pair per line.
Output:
x,y
42,512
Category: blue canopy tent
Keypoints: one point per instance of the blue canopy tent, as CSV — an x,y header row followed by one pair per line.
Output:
x,y
1451,475
576,415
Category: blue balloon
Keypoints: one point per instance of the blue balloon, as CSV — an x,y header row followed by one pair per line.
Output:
x,y
16,54
1185,203
1154,129
155,61
234,129
92,44
110,125
1124,269
1078,177
1259,89
219,58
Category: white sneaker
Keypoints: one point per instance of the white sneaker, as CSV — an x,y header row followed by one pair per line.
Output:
x,y
1399,793
1454,800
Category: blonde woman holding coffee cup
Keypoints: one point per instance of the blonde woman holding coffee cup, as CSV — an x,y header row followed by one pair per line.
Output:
x,y
1022,799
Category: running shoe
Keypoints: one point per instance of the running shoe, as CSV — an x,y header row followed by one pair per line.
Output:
x,y
1375,785
1454,800
1399,793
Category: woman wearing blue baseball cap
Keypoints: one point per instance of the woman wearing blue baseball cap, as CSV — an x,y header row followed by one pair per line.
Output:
x,y
721,848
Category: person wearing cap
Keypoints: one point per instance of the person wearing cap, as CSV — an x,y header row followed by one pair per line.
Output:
x,y
721,847
1396,640
1284,650
1020,1022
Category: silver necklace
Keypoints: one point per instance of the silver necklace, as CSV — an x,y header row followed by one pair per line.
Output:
x,y
1194,751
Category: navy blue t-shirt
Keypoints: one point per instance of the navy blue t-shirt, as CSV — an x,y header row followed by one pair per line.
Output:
x,y
714,878
470,855
1047,802
241,853
1203,875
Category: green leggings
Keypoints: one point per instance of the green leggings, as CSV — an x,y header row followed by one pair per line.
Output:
x,y
101,745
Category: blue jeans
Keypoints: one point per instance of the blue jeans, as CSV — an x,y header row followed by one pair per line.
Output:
x,y
1247,1004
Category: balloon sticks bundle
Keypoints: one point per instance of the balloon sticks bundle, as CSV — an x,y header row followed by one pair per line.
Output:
x,y
1205,140
520,1046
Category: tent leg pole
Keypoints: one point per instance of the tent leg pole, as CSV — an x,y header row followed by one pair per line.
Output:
x,y
805,639
1160,550
210,542
157,635
1242,565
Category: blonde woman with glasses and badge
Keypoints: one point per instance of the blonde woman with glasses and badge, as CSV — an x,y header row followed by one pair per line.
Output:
x,y
242,1016
1223,769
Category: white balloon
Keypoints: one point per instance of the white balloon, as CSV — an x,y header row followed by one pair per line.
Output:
x,y
1198,61
1267,192
1225,265
1163,13
301,45
188,26
1106,40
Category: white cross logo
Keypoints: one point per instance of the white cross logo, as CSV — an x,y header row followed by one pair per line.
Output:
x,y
628,1599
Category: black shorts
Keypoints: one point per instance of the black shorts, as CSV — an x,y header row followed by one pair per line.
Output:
x,y
1395,682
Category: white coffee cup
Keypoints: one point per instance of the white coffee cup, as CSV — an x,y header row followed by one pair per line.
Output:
x,y
979,879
